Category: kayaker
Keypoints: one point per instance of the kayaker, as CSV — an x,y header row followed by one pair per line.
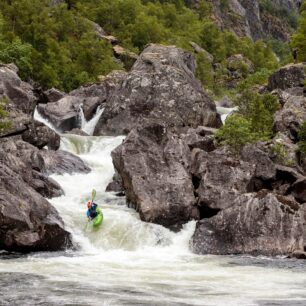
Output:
x,y
92,210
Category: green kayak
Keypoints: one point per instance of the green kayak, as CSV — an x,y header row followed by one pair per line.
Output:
x,y
98,219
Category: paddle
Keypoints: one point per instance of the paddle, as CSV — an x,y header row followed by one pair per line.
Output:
x,y
93,195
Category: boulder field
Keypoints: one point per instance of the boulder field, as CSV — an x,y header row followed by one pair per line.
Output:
x,y
169,166
252,203
28,222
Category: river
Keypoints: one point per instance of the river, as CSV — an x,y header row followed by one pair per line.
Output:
x,y
129,262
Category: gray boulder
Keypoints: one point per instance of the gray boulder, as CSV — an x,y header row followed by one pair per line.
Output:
x,y
63,114
257,224
292,75
18,93
161,88
28,222
152,163
39,135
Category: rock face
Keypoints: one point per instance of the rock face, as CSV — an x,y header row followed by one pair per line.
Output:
x,y
250,18
40,136
292,75
161,88
63,114
28,222
152,164
244,202
258,225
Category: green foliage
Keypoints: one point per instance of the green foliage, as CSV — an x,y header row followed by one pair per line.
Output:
x,y
53,45
18,53
56,46
299,38
253,122
236,133
282,156
302,138
4,123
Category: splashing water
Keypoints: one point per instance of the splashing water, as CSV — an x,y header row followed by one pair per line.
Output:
x,y
89,126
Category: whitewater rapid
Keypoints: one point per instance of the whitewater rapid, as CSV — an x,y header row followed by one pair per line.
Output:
x,y
129,262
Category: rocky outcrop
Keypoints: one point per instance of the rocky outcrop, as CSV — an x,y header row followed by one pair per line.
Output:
x,y
161,88
290,76
40,136
257,224
63,114
61,162
152,163
243,203
19,94
253,19
28,222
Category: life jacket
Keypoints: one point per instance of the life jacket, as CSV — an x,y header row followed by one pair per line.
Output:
x,y
92,211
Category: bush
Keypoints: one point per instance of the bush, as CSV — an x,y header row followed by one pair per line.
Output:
x,y
253,122
236,132
4,122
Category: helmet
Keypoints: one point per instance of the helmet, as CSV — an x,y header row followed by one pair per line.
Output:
x,y
89,204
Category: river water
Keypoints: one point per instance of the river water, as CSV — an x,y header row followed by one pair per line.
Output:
x,y
129,262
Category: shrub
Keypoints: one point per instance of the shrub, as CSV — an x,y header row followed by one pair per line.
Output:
x,y
4,122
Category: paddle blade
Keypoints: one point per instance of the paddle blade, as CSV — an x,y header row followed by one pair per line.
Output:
x,y
93,194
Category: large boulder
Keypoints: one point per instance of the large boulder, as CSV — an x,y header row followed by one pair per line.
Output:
x,y
61,162
28,222
63,114
19,94
292,75
27,163
243,201
161,88
152,163
218,179
257,224
39,135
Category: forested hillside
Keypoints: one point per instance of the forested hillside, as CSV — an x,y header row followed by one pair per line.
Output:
x,y
55,44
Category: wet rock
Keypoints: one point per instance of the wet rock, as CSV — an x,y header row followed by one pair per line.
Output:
x,y
298,255
114,186
28,222
63,114
61,162
252,226
94,95
292,75
161,88
77,132
152,163
39,135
